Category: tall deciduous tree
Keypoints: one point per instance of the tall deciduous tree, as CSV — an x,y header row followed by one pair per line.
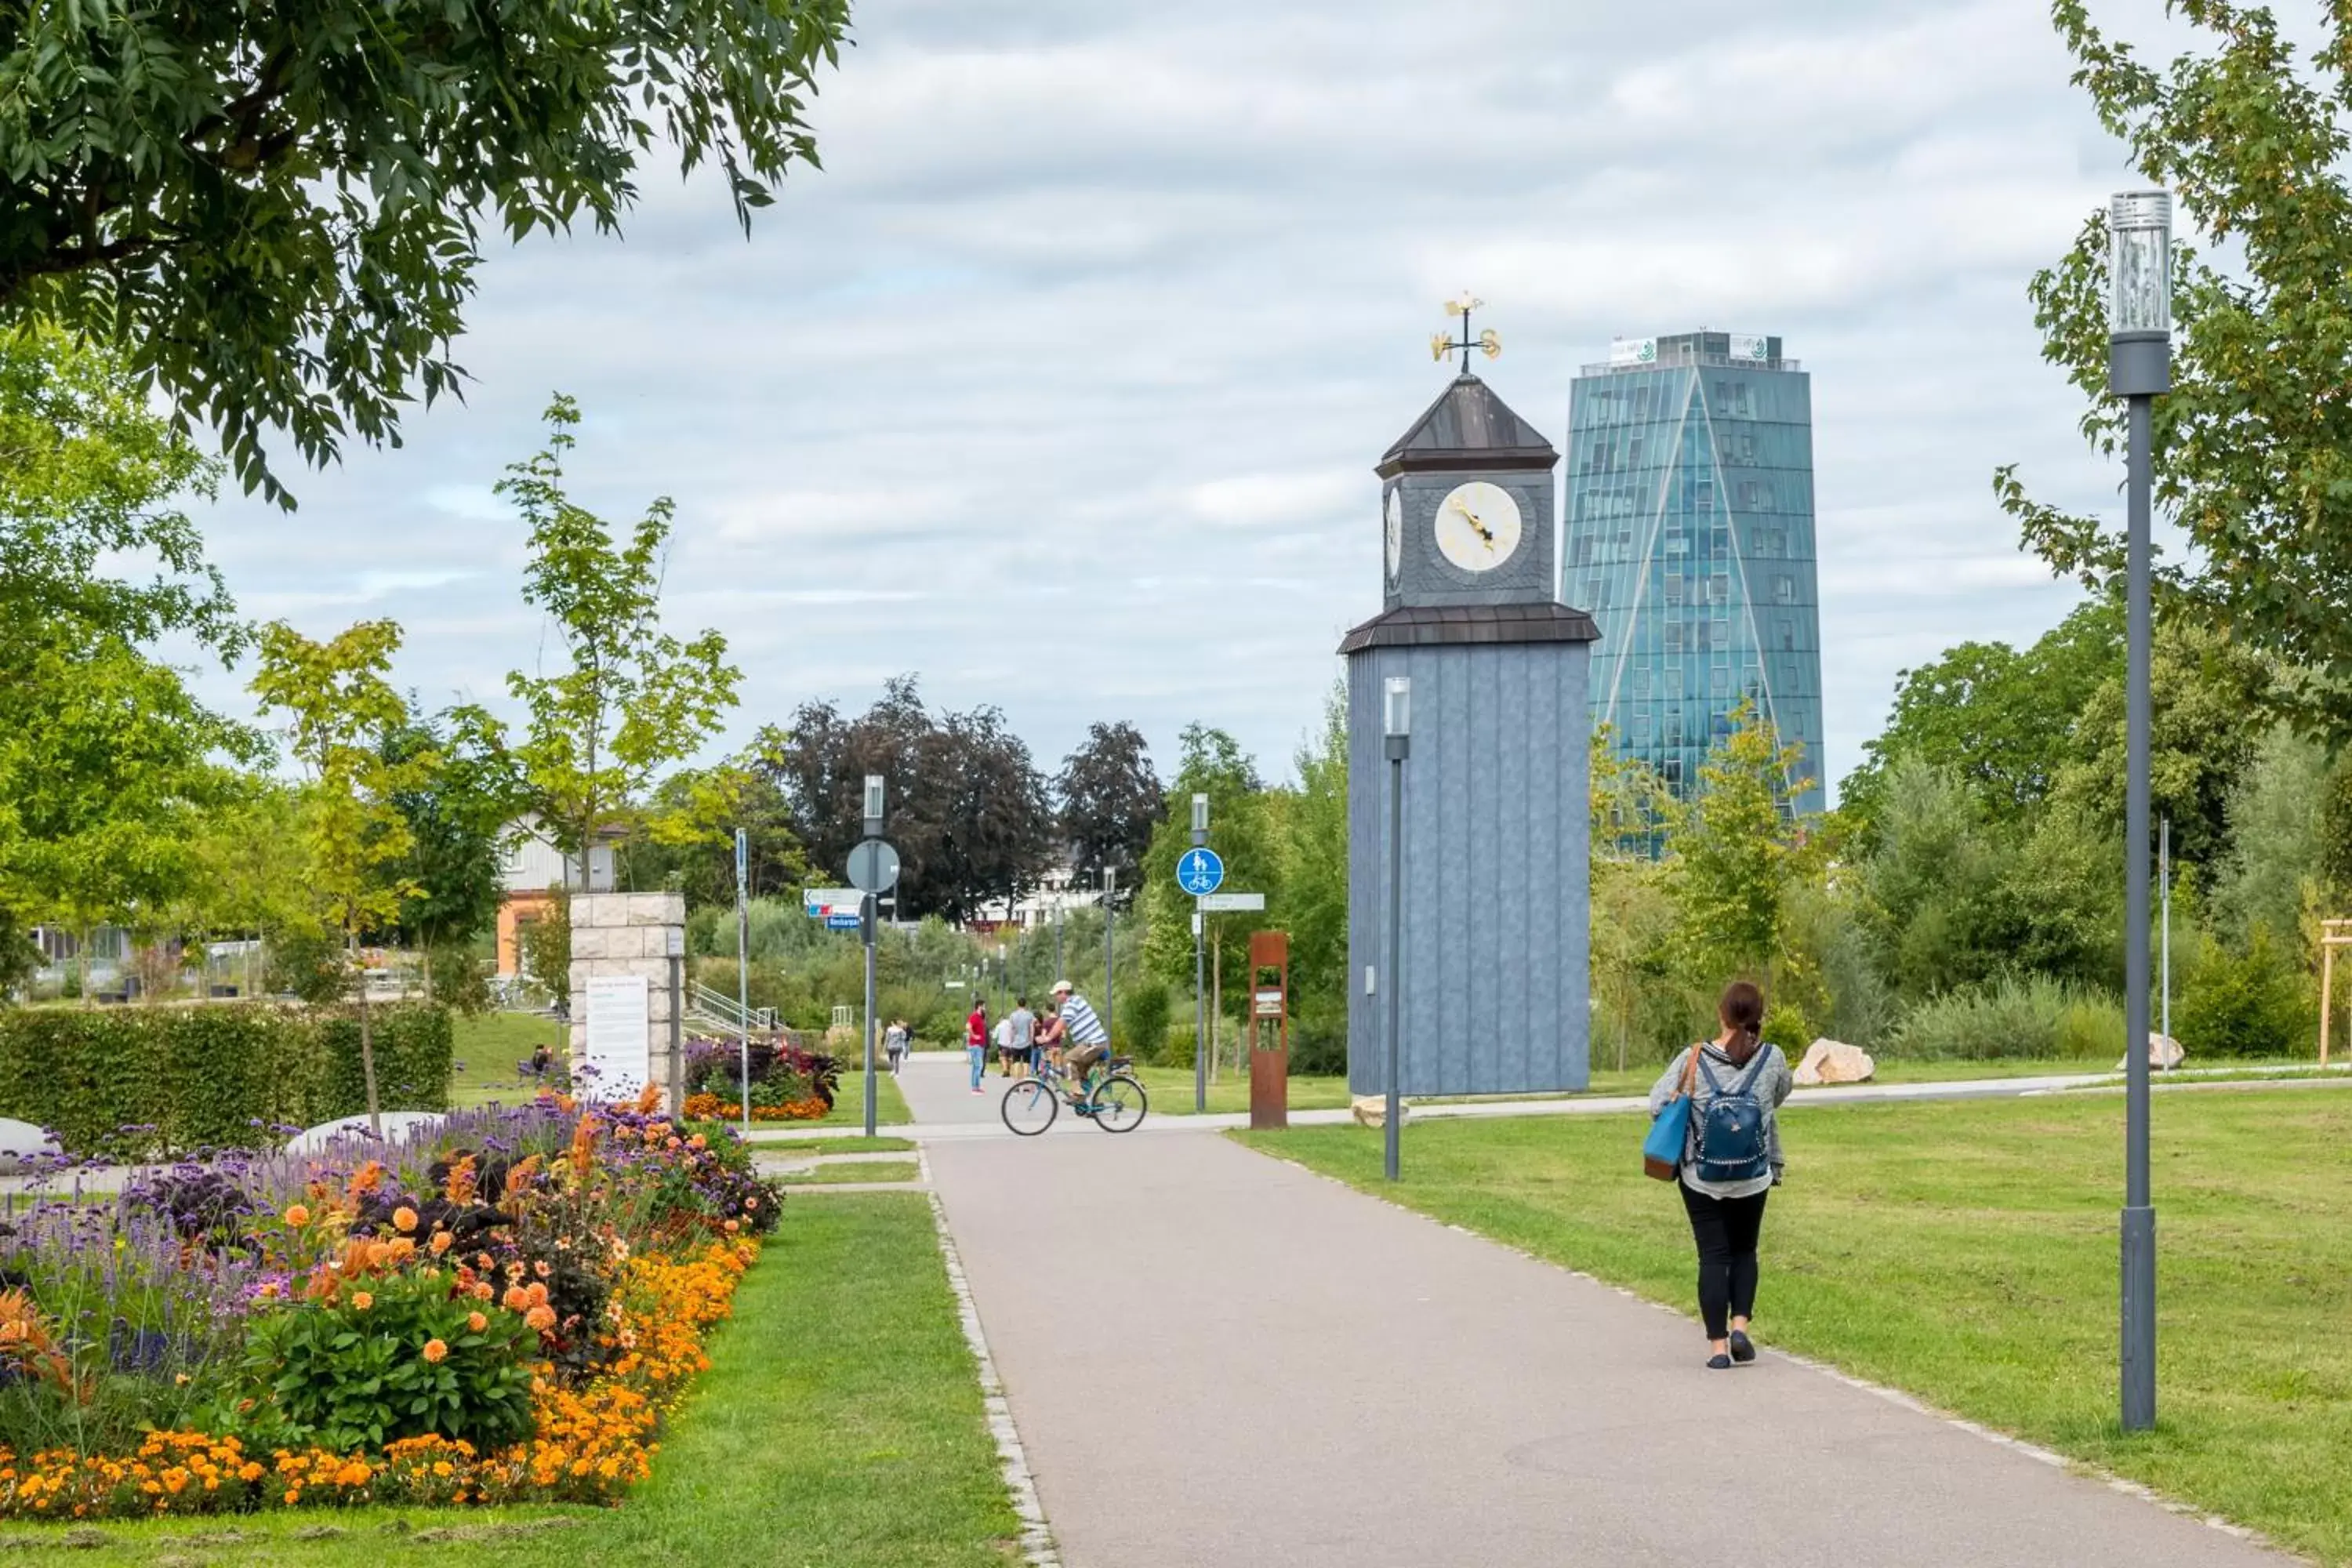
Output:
x,y
1243,830
1736,848
279,212
633,699
339,704
2253,443
457,797
1110,802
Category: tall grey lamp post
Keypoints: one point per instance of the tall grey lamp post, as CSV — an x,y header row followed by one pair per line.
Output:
x,y
743,969
1110,889
869,910
2140,368
1199,997
1397,742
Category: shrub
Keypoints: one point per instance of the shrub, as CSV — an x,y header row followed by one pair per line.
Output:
x,y
397,1358
1140,1021
1786,1026
2007,1017
1319,1038
2244,1005
135,1082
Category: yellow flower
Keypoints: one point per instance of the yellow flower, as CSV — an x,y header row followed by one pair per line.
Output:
x,y
362,1300
435,1351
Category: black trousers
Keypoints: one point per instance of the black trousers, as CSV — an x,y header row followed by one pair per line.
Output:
x,y
1725,1230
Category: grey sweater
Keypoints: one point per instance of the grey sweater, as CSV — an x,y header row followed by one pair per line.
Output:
x,y
1773,1082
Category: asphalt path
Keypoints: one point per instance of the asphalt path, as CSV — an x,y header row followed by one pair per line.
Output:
x,y
1213,1357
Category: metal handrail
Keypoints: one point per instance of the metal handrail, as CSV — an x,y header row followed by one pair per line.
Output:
x,y
724,1011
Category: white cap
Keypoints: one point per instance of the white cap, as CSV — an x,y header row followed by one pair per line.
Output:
x,y
1060,986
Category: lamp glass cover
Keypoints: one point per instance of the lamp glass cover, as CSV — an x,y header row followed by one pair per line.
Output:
x,y
1398,708
2140,226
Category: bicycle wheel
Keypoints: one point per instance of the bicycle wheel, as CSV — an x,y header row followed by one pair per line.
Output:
x,y
1030,1106
1120,1104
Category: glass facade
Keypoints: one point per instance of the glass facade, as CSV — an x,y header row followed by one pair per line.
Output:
x,y
1689,537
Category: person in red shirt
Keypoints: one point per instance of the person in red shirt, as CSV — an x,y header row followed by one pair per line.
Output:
x,y
975,1043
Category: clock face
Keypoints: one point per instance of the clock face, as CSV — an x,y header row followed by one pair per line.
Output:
x,y
1478,526
1395,533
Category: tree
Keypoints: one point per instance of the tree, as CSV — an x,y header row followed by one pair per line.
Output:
x,y
1110,802
634,698
2252,445
108,784
1735,848
1312,852
458,796
1938,901
968,810
1242,830
340,703
278,212
689,843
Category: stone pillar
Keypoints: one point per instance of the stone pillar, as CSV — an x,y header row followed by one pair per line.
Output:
x,y
628,933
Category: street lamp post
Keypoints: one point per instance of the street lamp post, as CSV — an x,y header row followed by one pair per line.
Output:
x,y
2140,368
1110,889
1397,726
867,910
1200,998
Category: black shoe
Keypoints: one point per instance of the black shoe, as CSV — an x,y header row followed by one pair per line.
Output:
x,y
1743,1349
1718,1363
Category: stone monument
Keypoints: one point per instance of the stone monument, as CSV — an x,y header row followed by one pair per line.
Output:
x,y
624,946
1496,851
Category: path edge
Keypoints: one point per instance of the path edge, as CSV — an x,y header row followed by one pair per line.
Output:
x,y
2016,1445
1037,1547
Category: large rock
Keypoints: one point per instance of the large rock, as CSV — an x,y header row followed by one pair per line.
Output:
x,y
1834,1061
399,1127
2164,1054
22,1141
1372,1111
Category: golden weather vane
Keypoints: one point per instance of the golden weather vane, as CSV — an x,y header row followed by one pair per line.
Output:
x,y
1445,342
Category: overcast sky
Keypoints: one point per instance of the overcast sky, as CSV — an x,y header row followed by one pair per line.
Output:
x,y
1062,383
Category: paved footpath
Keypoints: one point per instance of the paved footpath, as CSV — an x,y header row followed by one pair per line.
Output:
x,y
1215,1358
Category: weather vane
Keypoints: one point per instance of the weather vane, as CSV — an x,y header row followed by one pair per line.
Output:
x,y
1486,342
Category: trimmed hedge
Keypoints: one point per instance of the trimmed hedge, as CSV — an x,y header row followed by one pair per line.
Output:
x,y
143,1083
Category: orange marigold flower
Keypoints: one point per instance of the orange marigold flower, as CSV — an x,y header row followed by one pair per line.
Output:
x,y
540,1318
297,1215
482,1291
362,1300
536,1295
441,1242
437,1351
404,1219
476,1321
517,1300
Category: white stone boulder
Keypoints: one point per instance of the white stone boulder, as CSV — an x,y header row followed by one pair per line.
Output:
x,y
399,1127
22,1141
2164,1054
1372,1111
1834,1061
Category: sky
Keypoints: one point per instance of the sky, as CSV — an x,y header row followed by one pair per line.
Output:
x,y
1062,383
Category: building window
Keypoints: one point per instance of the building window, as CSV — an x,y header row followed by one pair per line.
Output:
x,y
1584,552
1784,588
1703,492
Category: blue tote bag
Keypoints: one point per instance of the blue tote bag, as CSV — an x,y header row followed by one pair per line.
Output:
x,y
1662,1151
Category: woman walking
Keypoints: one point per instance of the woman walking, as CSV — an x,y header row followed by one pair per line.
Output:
x,y
1731,1161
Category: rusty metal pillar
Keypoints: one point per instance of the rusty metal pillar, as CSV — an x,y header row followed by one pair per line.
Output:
x,y
1269,1029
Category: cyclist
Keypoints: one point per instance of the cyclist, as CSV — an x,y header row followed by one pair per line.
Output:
x,y
1088,1041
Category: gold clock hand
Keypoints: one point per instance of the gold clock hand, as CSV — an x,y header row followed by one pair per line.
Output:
x,y
1484,531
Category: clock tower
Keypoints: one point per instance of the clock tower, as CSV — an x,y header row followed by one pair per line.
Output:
x,y
1494,861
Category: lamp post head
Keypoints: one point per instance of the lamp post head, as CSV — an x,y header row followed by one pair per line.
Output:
x,y
1200,817
2139,274
2139,294
1396,708
874,805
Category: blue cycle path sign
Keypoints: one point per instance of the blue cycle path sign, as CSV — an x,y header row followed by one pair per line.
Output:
x,y
1200,872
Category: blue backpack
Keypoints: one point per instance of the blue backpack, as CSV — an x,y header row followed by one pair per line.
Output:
x,y
1728,1142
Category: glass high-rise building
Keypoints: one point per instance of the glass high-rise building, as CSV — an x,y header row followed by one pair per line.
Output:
x,y
1689,537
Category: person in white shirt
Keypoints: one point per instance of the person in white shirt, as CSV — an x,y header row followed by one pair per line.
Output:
x,y
1088,1041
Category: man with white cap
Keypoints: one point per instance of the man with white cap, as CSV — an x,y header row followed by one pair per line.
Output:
x,y
1090,1042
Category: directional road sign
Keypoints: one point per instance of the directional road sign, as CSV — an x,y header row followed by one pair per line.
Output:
x,y
841,922
1233,903
873,866
1200,872
822,902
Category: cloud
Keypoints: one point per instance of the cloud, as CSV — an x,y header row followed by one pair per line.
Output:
x,y
1063,382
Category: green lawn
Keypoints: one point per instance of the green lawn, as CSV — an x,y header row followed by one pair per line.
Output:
x,y
840,1425
835,1146
493,1046
1966,1251
836,1170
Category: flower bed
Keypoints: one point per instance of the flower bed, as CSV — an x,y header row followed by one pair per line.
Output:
x,y
501,1313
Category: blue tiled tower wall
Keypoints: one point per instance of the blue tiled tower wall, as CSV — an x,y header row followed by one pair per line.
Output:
x,y
1690,539
1496,980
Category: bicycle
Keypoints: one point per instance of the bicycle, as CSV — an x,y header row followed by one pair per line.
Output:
x,y
1114,1098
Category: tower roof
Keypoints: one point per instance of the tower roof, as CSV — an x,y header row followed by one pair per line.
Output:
x,y
1468,427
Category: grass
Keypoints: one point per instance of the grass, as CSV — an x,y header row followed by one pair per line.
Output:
x,y
853,1171
1966,1251
493,1046
840,1425
835,1146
